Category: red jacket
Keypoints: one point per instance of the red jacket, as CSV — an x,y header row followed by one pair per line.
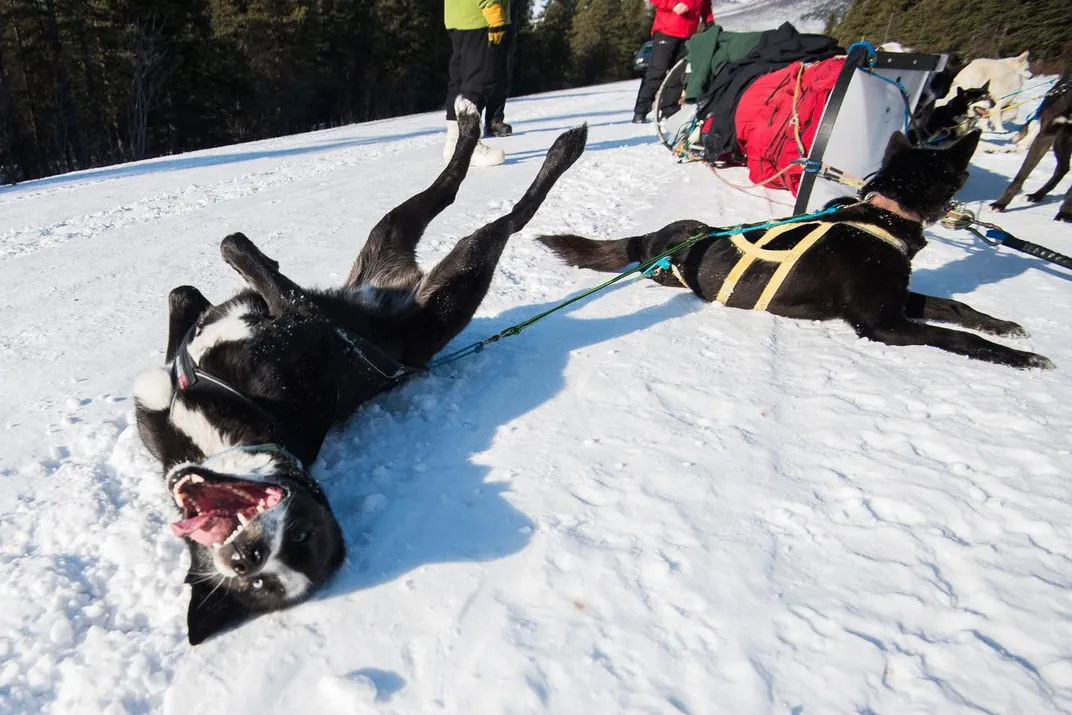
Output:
x,y
684,26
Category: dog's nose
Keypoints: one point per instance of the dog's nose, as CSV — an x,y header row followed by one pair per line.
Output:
x,y
247,560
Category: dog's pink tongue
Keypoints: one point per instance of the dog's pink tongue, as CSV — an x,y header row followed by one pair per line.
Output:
x,y
205,529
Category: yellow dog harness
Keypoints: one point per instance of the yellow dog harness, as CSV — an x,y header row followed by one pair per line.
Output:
x,y
787,259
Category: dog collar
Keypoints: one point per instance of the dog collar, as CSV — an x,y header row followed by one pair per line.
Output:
x,y
894,207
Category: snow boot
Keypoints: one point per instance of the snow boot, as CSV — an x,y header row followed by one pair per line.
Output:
x,y
498,128
483,155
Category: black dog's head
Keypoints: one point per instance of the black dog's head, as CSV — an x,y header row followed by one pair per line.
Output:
x,y
974,102
260,532
923,181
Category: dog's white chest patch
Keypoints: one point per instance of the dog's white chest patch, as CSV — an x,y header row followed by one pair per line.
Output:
x,y
231,328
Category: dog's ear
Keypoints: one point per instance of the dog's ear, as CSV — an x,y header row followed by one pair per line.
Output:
x,y
960,92
898,142
986,87
211,611
963,150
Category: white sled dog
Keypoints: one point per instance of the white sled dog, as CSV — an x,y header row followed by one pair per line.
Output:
x,y
1006,77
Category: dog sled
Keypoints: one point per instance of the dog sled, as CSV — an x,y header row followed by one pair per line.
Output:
x,y
811,128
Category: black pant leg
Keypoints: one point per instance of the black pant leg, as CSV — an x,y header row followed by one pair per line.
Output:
x,y
673,89
468,62
664,49
497,86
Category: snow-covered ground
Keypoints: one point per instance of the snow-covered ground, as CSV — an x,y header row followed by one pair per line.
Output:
x,y
643,505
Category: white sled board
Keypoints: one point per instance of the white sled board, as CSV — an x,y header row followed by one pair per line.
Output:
x,y
870,110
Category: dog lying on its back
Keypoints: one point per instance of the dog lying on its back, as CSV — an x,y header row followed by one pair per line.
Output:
x,y
256,382
858,269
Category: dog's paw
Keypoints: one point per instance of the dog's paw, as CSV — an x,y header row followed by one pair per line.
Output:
x,y
1063,215
1008,329
569,146
468,118
463,107
998,206
1035,198
1039,361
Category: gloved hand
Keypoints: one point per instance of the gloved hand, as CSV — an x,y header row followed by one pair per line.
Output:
x,y
493,14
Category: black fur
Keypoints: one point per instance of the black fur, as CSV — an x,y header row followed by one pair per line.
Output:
x,y
849,275
299,365
951,120
1055,130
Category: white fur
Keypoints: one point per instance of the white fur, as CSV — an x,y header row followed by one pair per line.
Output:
x,y
464,106
232,327
1005,75
194,424
152,389
893,47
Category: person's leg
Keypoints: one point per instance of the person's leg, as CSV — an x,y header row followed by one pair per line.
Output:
x,y
473,65
473,69
662,57
511,50
454,73
496,85
672,94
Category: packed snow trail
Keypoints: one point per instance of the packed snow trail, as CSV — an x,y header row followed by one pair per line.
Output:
x,y
642,504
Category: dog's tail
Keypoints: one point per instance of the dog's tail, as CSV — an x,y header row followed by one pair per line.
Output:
x,y
589,253
617,254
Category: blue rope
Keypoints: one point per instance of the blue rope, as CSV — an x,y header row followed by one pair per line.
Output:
x,y
867,46
647,268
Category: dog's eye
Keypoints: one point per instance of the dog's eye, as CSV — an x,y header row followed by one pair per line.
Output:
x,y
302,536
258,584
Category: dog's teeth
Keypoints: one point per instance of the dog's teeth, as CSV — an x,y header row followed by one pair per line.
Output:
x,y
180,500
260,508
196,478
242,519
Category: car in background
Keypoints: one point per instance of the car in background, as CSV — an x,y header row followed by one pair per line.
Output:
x,y
641,59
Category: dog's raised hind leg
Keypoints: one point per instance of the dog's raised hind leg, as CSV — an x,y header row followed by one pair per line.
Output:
x,y
451,292
262,274
387,258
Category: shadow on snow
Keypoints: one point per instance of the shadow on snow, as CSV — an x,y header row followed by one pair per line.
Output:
x,y
405,476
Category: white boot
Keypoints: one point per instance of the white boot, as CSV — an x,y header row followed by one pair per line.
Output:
x,y
483,155
452,139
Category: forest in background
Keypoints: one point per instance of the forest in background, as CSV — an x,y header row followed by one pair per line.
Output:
x,y
88,83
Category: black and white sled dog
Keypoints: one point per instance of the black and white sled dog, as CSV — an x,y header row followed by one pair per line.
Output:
x,y
952,120
852,265
255,383
1054,129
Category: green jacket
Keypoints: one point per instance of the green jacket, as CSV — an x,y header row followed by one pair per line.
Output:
x,y
465,14
709,50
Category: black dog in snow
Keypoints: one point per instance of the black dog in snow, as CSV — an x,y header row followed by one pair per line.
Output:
x,y
256,382
854,264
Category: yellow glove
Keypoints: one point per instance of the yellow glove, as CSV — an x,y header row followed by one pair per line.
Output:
x,y
493,14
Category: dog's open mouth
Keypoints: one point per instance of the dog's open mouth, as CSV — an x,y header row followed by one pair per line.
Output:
x,y
216,510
